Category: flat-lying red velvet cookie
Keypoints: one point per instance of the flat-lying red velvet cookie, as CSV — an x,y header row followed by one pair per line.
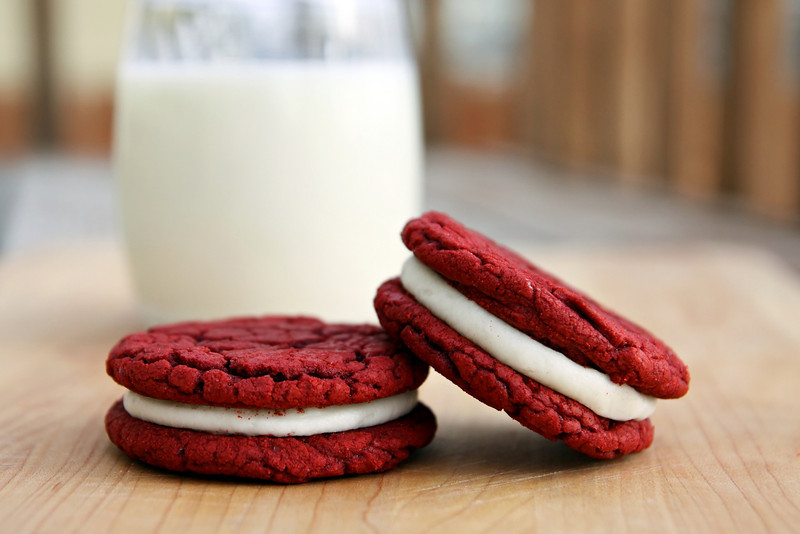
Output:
x,y
269,364
547,311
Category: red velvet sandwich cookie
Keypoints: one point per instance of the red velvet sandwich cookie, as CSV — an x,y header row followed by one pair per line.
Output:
x,y
519,340
286,399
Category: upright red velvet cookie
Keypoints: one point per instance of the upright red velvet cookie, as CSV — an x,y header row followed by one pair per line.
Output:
x,y
520,340
285,399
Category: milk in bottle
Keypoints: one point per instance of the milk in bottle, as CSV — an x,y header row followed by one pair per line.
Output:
x,y
268,185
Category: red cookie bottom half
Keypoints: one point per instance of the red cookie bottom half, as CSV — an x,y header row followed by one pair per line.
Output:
x,y
278,459
475,371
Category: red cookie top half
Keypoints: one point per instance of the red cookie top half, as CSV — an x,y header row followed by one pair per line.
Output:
x,y
544,308
269,362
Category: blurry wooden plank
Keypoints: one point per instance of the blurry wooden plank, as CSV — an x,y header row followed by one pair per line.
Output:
x,y
592,109
597,88
549,79
533,66
604,67
579,134
696,97
764,103
430,68
536,85
573,92
642,90
44,105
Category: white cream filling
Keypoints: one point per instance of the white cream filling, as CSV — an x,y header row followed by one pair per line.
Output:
x,y
264,422
588,386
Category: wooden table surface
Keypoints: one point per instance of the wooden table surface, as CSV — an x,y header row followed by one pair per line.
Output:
x,y
726,458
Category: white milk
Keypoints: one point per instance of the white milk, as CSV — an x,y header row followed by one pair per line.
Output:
x,y
273,188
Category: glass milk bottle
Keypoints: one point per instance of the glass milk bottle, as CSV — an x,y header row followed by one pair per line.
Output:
x,y
267,154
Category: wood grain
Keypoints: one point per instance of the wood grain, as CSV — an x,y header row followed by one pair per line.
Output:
x,y
726,458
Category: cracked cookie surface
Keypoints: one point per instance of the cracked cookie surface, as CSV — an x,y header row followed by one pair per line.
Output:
x,y
276,363
285,459
544,308
266,362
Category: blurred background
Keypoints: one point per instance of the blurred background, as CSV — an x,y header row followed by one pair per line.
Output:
x,y
557,121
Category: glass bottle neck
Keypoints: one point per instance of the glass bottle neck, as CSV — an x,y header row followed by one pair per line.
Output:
x,y
250,30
